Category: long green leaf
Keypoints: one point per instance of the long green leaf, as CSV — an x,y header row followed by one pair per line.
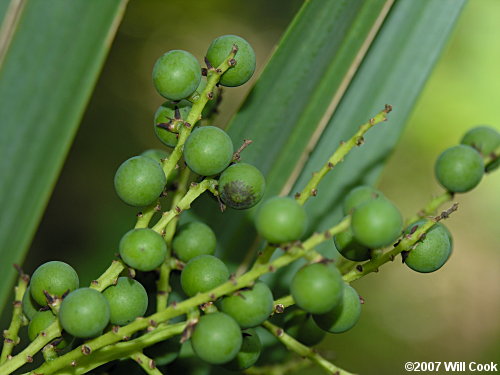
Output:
x,y
284,112
50,57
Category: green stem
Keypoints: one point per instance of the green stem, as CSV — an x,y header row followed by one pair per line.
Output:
x,y
282,303
183,307
184,204
144,217
49,353
406,244
109,276
213,77
432,207
146,363
491,160
302,350
278,369
11,337
339,155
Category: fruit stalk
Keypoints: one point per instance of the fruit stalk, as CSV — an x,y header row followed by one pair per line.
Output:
x,y
339,155
302,350
109,276
146,363
432,207
11,337
144,217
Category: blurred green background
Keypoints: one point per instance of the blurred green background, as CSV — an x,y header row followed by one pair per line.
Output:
x,y
452,315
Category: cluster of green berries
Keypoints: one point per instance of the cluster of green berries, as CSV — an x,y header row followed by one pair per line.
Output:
x,y
54,293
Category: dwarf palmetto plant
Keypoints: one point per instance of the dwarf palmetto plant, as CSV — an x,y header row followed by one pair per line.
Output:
x,y
326,86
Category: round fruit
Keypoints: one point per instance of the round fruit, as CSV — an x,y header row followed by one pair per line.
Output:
x,y
164,352
219,50
344,316
143,249
176,75
193,239
358,196
41,320
208,150
301,326
281,219
351,249
164,114
249,353
203,273
159,155
139,181
29,305
84,313
317,288
432,252
482,138
216,338
241,186
54,277
249,307
376,223
459,168
127,300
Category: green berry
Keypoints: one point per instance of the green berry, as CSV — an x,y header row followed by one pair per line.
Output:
x,y
317,288
176,75
40,321
84,313
249,353
208,150
241,186
301,326
139,181
459,168
376,223
281,219
483,138
358,196
29,305
219,50
216,338
54,277
249,307
164,352
203,273
344,316
159,155
166,113
143,249
127,300
193,239
431,253
351,249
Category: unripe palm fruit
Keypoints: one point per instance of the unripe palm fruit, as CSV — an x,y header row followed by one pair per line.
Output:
x,y
193,239
432,252
359,195
164,352
139,181
482,138
203,273
459,169
84,313
301,326
241,186
159,155
143,249
127,300
351,249
208,150
317,288
55,277
41,321
249,353
376,223
166,113
176,75
250,307
281,219
344,316
216,338
29,305
219,50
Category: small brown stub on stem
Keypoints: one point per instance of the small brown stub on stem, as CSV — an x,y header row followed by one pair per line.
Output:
x,y
86,350
359,268
279,308
314,192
